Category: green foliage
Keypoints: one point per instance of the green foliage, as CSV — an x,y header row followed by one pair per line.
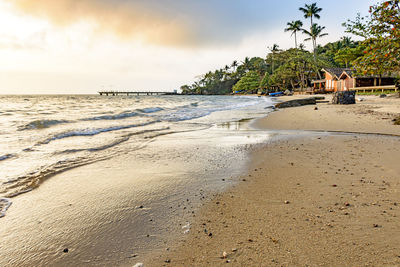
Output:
x,y
249,83
296,68
346,55
381,31
265,81
377,92
221,81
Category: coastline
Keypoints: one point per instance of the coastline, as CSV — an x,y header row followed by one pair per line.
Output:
x,y
121,210
319,200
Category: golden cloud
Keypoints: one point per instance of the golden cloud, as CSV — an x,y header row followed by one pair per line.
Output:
x,y
127,19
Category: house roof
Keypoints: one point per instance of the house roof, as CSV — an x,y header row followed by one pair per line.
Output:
x,y
339,72
347,72
336,72
384,75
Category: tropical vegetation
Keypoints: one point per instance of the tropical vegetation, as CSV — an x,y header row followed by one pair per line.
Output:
x,y
378,52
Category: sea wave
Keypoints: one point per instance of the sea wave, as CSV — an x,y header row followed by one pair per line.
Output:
x,y
93,131
34,178
112,117
7,156
124,115
26,183
188,112
5,203
41,124
114,143
149,110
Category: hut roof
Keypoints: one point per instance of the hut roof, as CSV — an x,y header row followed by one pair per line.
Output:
x,y
336,72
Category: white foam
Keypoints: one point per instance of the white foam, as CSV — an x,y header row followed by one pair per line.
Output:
x,y
94,131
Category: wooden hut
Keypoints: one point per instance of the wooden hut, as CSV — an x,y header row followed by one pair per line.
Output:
x,y
343,79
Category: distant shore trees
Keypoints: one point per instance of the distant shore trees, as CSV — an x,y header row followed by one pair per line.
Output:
x,y
296,67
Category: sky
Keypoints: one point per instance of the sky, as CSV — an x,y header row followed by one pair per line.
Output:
x,y
84,46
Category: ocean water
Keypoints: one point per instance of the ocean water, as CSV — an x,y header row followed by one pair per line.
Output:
x,y
41,136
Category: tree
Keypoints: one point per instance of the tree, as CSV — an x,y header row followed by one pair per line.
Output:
x,y
249,83
296,68
265,81
246,64
234,65
347,42
311,11
314,33
346,55
381,31
274,49
294,27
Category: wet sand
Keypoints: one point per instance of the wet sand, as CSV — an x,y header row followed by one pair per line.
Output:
x,y
120,211
330,200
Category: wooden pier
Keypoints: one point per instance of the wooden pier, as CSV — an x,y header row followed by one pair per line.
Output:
x,y
128,93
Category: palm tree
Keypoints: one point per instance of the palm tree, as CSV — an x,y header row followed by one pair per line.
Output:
x,y
246,63
274,49
294,27
234,65
311,11
314,33
346,41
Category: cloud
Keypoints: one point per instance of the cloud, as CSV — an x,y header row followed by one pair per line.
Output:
x,y
127,19
163,22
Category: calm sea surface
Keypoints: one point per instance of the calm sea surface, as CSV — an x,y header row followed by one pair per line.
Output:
x,y
41,136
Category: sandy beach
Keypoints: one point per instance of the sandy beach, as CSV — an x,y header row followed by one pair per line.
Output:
x,y
328,200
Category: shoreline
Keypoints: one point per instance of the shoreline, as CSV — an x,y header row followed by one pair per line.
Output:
x,y
155,215
318,200
123,210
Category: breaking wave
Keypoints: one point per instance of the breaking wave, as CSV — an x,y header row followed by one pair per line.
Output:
x,y
91,132
6,157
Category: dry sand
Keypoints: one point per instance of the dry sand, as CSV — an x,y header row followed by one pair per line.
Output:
x,y
329,200
372,115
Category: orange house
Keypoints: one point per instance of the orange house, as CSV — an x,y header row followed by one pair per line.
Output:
x,y
343,79
338,79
